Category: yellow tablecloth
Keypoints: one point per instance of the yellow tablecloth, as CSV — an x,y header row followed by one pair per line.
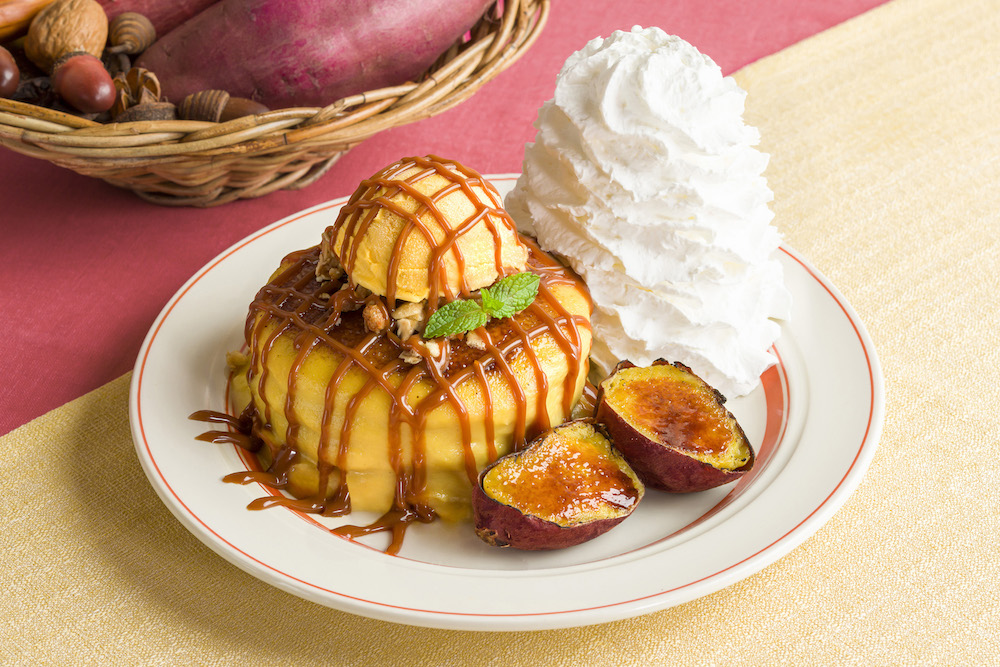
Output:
x,y
886,168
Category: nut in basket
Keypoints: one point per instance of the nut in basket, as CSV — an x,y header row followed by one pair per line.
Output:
x,y
197,160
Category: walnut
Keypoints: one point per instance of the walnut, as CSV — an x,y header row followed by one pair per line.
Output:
x,y
328,267
412,357
410,319
475,341
376,316
405,329
66,26
433,349
409,310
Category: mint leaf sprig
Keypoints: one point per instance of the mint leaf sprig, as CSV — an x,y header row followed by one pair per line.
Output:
x,y
508,296
455,317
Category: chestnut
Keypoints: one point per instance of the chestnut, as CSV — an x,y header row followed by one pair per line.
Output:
x,y
567,486
83,82
10,75
672,427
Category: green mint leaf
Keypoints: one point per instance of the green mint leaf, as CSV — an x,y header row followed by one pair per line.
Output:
x,y
510,295
455,317
491,304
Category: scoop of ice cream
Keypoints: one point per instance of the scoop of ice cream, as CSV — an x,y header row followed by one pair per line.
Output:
x,y
645,179
424,228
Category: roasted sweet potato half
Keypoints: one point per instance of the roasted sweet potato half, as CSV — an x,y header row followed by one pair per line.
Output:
x,y
566,487
672,427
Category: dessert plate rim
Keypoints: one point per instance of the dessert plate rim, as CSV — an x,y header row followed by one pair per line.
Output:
x,y
838,403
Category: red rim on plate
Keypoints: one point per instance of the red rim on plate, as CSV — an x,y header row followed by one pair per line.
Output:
x,y
778,401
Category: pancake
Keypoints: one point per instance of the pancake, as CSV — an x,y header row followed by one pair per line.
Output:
x,y
355,411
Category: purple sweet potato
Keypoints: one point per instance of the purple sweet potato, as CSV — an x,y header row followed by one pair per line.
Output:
x,y
672,427
165,15
287,53
568,486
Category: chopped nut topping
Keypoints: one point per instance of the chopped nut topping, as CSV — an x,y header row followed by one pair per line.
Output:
x,y
410,319
412,357
411,352
433,348
405,329
409,310
376,316
474,340
328,267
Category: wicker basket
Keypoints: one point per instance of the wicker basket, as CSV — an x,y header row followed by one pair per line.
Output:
x,y
194,163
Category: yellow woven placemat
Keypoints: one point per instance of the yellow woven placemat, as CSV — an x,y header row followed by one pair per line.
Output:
x,y
886,165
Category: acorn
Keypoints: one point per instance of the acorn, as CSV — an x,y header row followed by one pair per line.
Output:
x,y
131,33
237,107
82,81
204,105
148,111
217,106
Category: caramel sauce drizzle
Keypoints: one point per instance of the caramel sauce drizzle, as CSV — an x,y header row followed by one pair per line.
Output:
x,y
237,434
377,193
322,315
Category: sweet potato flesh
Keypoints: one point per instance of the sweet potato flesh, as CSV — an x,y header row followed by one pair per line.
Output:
x,y
674,407
571,476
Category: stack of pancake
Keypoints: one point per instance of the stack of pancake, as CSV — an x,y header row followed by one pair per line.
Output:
x,y
356,409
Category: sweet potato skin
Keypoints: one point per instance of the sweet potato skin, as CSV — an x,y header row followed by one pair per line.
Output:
x,y
288,53
659,465
165,15
501,525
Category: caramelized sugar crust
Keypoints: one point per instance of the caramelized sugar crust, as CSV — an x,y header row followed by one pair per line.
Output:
x,y
571,475
671,405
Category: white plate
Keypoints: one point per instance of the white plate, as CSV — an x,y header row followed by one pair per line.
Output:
x,y
816,420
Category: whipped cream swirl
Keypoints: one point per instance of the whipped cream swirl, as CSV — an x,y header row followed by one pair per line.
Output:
x,y
644,178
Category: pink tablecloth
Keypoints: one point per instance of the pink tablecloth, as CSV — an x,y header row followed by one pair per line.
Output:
x,y
85,268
